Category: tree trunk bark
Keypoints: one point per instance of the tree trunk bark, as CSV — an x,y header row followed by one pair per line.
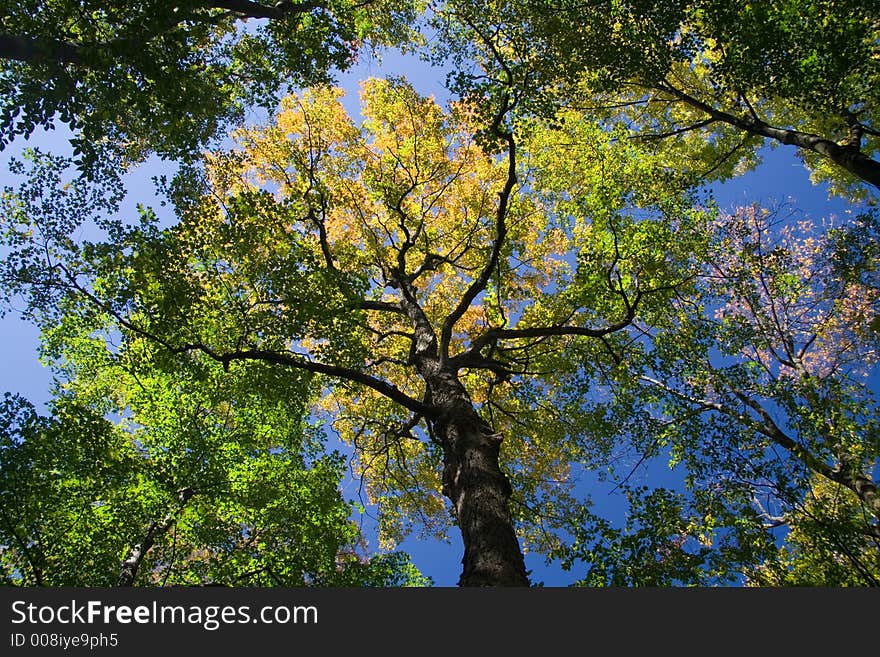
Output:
x,y
479,491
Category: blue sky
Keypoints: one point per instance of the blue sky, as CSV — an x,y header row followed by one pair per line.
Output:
x,y
782,177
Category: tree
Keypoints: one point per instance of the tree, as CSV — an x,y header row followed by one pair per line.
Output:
x,y
762,390
166,77
703,85
494,299
732,75
399,261
204,477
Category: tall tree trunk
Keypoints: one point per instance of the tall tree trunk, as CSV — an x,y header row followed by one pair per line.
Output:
x,y
479,491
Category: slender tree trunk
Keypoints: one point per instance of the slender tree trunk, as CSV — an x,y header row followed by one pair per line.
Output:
x,y
129,568
479,491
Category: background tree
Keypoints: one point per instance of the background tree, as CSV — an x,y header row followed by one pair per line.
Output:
x,y
668,537
204,477
731,76
762,391
165,77
827,544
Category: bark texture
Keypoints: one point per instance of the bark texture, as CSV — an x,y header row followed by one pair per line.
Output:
x,y
479,491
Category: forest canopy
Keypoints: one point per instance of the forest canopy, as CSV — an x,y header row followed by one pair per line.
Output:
x,y
483,311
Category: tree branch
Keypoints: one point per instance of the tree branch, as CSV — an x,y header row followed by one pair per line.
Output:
x,y
862,486
390,391
479,284
850,159
37,50
671,133
381,306
494,334
276,11
345,373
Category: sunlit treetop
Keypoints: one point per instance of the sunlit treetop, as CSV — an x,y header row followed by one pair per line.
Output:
x,y
802,74
441,290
